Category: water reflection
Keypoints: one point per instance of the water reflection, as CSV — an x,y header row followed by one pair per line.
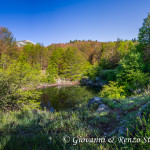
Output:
x,y
63,97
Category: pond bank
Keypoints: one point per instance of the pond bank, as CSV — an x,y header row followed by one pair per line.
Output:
x,y
62,83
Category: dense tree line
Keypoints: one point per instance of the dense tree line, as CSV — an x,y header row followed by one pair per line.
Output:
x,y
68,61
95,51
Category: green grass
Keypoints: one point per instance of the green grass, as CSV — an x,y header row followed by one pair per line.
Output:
x,y
36,130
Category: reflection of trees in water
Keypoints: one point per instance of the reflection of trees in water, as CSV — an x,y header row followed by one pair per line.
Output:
x,y
65,97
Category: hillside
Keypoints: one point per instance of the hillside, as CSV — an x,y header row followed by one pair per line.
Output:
x,y
23,43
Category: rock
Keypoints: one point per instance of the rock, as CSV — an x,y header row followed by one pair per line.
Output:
x,y
132,98
48,104
103,108
112,133
51,109
138,91
97,79
59,81
114,101
84,81
97,100
101,84
90,83
91,127
123,121
144,107
118,117
105,134
120,131
98,84
93,84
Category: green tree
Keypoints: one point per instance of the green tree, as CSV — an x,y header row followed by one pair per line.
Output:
x,y
130,72
35,55
55,64
74,64
7,43
123,48
16,87
144,31
41,55
28,53
144,40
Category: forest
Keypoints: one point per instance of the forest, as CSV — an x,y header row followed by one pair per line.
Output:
x,y
123,68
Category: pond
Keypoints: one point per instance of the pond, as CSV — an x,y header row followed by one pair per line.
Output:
x,y
65,97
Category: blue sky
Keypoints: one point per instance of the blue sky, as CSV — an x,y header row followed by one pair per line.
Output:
x,y
59,21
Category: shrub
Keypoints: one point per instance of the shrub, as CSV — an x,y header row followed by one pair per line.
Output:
x,y
141,129
93,71
109,75
16,87
147,67
113,91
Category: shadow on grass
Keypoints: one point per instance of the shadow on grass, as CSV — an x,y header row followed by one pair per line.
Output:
x,y
30,134
40,131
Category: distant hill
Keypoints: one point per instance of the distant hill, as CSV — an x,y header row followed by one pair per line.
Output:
x,y
24,42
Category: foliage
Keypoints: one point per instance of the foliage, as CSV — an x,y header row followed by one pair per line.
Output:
x,y
68,64
5,61
93,71
144,31
34,54
125,47
141,130
144,40
74,64
16,84
43,76
130,72
107,54
113,91
109,75
7,43
112,52
55,65
96,71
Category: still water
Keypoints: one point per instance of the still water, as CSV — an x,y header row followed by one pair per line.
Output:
x,y
64,97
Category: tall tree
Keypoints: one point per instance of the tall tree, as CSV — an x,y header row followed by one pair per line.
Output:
x,y
55,64
7,42
28,53
144,39
144,31
35,55
41,55
74,63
